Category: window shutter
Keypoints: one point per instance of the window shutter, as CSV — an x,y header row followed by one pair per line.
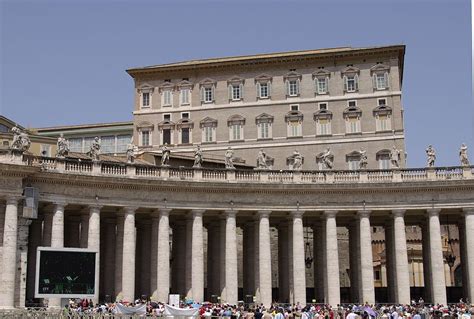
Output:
x,y
287,88
326,79
258,89
387,85
316,88
241,86
298,87
374,81
203,98
230,91
356,82
345,83
269,87
212,93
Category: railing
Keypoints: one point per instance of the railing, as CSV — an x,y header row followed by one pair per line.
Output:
x,y
78,166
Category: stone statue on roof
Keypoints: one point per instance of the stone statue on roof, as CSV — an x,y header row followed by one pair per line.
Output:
x,y
295,161
431,156
463,155
363,159
132,150
229,158
62,147
94,151
262,160
327,159
197,157
165,155
395,157
21,142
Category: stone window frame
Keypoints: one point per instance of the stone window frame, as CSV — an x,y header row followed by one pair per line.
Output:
x,y
382,110
350,113
380,69
292,76
353,157
145,126
167,87
145,88
235,81
208,122
350,71
233,120
185,123
185,85
264,118
206,84
263,79
324,114
292,117
385,155
166,124
318,75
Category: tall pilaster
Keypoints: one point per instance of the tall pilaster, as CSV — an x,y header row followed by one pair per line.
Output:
x,y
118,290
297,268
332,289
425,237
93,243
438,283
366,283
196,246
264,282
128,255
231,270
402,290
163,262
9,257
57,240
469,251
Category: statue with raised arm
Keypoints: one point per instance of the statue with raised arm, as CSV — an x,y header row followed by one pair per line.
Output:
x,y
327,159
431,154
95,149
132,150
62,147
463,155
165,155
262,160
197,157
363,159
395,157
229,158
21,142
297,161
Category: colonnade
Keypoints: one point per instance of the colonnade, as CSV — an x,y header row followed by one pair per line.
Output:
x,y
185,275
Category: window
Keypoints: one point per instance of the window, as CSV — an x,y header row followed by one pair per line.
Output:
x,y
208,95
352,125
185,135
384,163
166,136
235,92
352,104
382,122
380,76
75,145
292,81
350,78
381,81
322,85
323,126
87,144
264,130
184,96
166,117
294,129
354,163
377,275
208,128
122,142
293,88
351,83
323,106
146,99
382,115
208,134
185,116
294,107
264,126
167,98
263,90
236,131
145,138
294,120
107,144
382,102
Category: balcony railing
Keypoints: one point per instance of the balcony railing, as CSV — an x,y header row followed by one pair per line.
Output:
x,y
140,171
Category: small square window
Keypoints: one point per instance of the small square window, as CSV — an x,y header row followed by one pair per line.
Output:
x,y
352,103
166,117
185,116
323,106
294,107
382,102
145,99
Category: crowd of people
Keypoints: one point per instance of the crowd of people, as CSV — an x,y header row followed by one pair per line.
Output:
x,y
416,310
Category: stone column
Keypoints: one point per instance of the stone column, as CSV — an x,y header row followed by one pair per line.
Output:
x,y
128,255
366,283
390,261
318,261
249,258
298,271
57,240
402,292
283,263
118,291
9,256
93,243
264,288
469,252
231,270
196,262
438,283
163,257
332,289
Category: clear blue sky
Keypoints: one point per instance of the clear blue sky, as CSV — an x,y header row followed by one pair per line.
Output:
x,y
63,62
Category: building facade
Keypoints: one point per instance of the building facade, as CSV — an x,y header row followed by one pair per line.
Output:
x,y
345,99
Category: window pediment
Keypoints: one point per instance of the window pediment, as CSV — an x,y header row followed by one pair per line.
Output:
x,y
166,86
382,110
350,70
236,80
379,67
185,85
145,88
185,123
166,125
322,114
263,78
208,122
352,111
236,120
382,154
208,82
292,75
353,155
321,73
264,118
145,124
294,116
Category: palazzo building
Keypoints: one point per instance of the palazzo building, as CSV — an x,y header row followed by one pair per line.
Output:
x,y
346,99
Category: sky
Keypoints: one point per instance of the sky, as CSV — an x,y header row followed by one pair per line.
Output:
x,y
63,62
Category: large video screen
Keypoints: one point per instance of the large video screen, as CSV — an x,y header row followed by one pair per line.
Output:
x,y
65,273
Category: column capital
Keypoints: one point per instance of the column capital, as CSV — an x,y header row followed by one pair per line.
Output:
x,y
59,205
230,213
13,199
297,214
264,213
161,212
363,213
433,211
468,211
197,212
330,213
130,209
95,207
399,212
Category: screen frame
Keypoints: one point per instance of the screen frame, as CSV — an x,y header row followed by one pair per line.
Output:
x,y
80,250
